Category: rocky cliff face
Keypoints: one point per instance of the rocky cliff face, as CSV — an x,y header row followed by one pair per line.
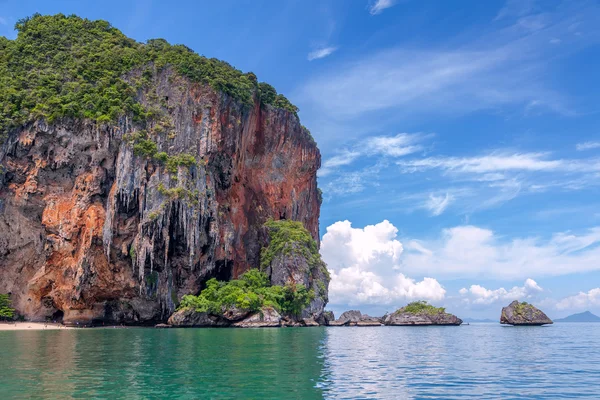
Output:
x,y
92,229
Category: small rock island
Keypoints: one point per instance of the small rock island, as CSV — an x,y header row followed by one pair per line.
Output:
x,y
417,313
420,313
523,313
356,318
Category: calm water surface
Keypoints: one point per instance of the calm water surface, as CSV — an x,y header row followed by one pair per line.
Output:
x,y
476,361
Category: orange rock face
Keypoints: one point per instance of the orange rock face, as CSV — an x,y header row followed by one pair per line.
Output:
x,y
91,231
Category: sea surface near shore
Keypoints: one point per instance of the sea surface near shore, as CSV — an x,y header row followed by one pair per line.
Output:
x,y
475,361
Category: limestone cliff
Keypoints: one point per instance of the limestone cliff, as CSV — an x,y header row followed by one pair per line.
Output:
x,y
116,221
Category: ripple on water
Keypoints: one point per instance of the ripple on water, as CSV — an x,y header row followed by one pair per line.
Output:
x,y
477,361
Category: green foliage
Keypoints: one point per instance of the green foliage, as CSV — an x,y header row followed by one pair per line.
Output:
x,y
286,237
184,160
63,66
422,306
251,292
268,95
522,307
6,311
145,147
67,66
132,253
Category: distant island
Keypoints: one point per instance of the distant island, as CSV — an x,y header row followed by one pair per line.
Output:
x,y
580,317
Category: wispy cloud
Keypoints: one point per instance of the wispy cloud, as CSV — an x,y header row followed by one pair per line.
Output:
x,y
3,21
378,6
321,53
516,8
587,146
501,176
502,68
394,146
344,158
438,204
387,146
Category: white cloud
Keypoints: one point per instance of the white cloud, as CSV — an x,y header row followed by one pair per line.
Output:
x,y
477,294
491,163
395,146
364,267
437,204
587,146
492,179
392,146
379,5
580,302
344,158
470,252
516,8
499,68
3,21
321,53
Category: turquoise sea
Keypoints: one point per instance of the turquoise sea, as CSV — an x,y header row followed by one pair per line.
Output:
x,y
484,361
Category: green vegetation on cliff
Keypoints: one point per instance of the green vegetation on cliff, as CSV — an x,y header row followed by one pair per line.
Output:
x,y
6,311
289,237
67,66
417,307
251,292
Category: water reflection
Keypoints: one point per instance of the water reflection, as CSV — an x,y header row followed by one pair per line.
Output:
x,y
148,363
481,361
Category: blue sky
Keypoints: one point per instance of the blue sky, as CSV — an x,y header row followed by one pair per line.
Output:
x,y
460,140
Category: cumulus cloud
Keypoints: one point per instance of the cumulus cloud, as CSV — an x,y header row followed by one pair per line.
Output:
x,y
580,302
477,294
470,251
364,267
379,5
587,146
321,53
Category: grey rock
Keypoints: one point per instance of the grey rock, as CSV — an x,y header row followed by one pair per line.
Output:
x,y
293,267
310,322
267,317
401,318
355,318
523,314
191,318
325,318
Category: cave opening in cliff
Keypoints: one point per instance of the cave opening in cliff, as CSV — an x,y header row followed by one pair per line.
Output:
x,y
223,271
58,316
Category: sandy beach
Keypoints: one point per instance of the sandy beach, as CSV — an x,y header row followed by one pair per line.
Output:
x,y
31,326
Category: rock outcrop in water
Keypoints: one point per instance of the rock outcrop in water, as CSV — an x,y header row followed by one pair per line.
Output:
x,y
355,318
116,221
420,313
517,313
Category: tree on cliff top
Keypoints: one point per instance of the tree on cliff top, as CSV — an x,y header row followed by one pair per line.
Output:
x,y
6,312
67,66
